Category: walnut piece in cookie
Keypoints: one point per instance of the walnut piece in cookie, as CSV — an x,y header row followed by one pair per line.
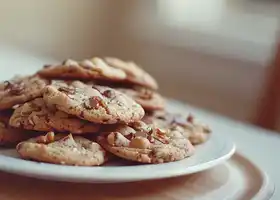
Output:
x,y
98,104
62,149
189,126
10,136
36,115
135,74
20,90
89,69
141,143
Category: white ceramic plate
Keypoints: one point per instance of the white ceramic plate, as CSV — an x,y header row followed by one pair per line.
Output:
x,y
215,151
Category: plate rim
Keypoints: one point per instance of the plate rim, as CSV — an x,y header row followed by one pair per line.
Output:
x,y
63,173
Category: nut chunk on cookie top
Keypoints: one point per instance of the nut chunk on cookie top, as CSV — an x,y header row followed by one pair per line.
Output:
x,y
20,90
189,126
94,68
141,143
35,115
97,104
65,150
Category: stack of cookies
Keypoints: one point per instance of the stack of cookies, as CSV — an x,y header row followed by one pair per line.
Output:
x,y
80,112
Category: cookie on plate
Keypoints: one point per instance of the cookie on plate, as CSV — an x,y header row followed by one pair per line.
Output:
x,y
35,115
141,143
147,98
191,128
89,69
62,149
9,135
98,104
20,90
135,74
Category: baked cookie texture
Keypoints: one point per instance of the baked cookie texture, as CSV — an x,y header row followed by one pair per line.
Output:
x,y
10,136
142,143
135,74
189,126
89,69
36,115
62,149
148,99
98,69
77,112
98,104
20,90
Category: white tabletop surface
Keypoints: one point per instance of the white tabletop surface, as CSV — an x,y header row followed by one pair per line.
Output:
x,y
260,146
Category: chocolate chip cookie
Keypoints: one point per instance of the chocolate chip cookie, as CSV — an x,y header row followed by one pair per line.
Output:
x,y
89,69
35,115
20,90
10,135
64,150
147,98
191,128
142,143
135,74
98,104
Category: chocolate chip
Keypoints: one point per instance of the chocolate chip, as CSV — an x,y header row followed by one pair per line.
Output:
x,y
47,66
190,118
64,62
105,120
67,90
109,93
130,136
120,103
161,117
82,115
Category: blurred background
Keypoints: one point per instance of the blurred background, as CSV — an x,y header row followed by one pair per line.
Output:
x,y
212,54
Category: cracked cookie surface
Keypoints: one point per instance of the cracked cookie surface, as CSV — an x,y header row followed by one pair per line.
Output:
x,y
35,115
99,104
189,126
20,90
62,149
89,69
141,143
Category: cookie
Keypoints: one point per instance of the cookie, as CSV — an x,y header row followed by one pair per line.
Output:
x,y
65,150
9,135
92,69
20,90
35,115
135,74
191,128
147,98
98,104
141,143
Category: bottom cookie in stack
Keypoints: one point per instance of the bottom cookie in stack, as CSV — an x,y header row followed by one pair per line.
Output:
x,y
62,149
145,144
